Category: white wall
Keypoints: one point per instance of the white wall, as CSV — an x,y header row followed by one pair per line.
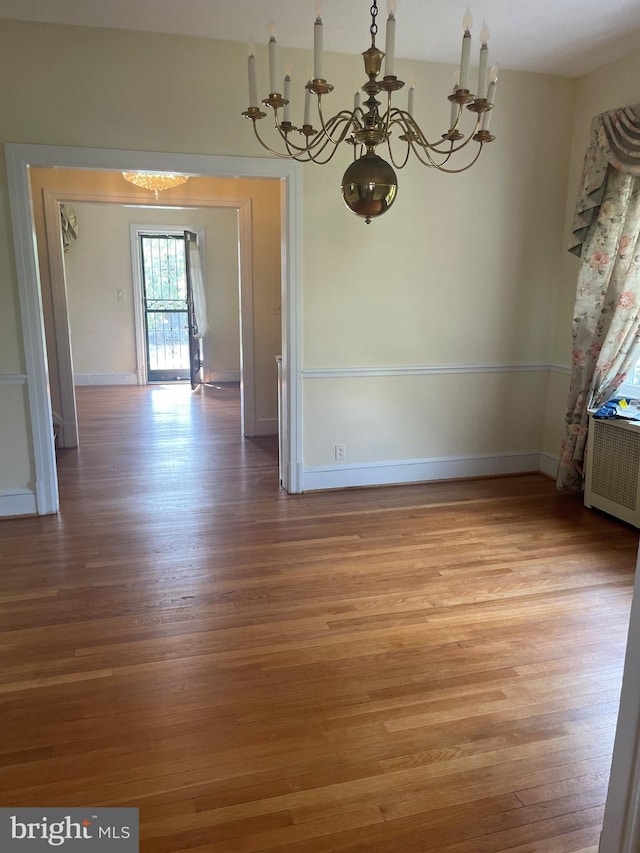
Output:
x,y
98,268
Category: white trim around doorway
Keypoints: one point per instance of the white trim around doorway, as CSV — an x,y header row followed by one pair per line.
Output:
x,y
20,157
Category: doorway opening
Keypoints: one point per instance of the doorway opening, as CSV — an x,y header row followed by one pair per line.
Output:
x,y
165,307
172,329
20,159
98,288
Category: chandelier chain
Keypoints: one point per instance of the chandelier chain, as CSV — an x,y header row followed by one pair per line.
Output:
x,y
373,29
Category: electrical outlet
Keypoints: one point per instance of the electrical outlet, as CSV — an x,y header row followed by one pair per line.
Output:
x,y
341,452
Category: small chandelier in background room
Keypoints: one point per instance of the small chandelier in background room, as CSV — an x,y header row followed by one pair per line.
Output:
x,y
369,185
156,183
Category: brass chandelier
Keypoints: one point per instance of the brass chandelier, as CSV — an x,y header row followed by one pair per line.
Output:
x,y
369,185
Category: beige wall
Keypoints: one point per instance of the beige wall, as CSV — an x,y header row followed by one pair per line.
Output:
x,y
463,270
614,85
98,267
264,196
15,462
369,416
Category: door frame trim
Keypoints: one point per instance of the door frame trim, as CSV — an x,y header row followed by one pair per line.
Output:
x,y
68,422
20,157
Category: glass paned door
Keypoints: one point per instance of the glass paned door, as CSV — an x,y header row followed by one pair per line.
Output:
x,y
165,307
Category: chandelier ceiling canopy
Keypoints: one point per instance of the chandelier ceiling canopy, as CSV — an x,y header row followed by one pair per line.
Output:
x,y
369,185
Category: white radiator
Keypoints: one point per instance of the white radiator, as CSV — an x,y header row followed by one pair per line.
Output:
x,y
612,475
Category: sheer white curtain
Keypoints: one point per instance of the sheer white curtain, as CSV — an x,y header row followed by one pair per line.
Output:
x,y
198,290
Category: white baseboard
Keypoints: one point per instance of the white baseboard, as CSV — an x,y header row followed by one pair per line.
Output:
x,y
266,426
105,378
18,502
223,376
418,470
549,465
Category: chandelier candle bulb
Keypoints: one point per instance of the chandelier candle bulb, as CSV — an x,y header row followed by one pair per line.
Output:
x,y
307,106
273,60
412,89
465,59
356,100
491,96
484,58
493,78
454,106
253,83
486,120
287,95
317,48
455,109
390,42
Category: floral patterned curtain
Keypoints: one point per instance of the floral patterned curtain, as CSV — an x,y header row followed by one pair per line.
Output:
x,y
606,324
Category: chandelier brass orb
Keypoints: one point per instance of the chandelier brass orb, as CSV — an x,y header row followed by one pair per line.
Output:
x,y
369,186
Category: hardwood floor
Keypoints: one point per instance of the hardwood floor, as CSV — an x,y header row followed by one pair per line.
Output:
x,y
425,668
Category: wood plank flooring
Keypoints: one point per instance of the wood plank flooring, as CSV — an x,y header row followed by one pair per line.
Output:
x,y
425,668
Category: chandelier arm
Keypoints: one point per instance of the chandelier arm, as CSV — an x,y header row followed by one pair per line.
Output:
x,y
307,149
440,166
416,139
411,128
420,146
321,139
327,127
392,158
468,166
299,153
455,148
419,150
315,150
344,117
303,154
287,156
294,150
334,149
409,125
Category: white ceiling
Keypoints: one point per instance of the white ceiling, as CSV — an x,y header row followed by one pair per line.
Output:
x,y
567,37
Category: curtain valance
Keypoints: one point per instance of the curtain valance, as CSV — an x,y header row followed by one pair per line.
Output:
x,y
614,141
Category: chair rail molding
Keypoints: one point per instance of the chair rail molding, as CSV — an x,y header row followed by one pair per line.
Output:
x,y
422,370
13,378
